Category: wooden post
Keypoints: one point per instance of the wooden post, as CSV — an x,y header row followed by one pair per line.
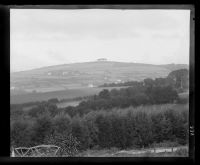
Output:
x,y
13,153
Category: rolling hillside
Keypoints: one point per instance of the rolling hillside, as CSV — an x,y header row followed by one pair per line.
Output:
x,y
87,74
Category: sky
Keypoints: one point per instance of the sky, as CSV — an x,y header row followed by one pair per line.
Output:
x,y
45,37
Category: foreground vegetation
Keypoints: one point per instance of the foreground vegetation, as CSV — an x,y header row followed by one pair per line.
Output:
x,y
121,128
114,152
141,116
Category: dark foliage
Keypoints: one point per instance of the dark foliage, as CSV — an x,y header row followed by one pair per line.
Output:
x,y
105,129
178,79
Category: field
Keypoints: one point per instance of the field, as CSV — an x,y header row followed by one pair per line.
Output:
x,y
61,94
184,95
66,104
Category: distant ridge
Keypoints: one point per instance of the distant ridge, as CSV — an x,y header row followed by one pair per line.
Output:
x,y
168,66
86,74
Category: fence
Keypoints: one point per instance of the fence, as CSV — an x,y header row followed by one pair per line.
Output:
x,y
36,151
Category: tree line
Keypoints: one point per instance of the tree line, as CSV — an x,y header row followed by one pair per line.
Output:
x,y
178,79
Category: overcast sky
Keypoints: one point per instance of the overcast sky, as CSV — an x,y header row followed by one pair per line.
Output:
x,y
44,37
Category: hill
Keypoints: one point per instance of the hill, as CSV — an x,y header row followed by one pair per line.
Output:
x,y
87,74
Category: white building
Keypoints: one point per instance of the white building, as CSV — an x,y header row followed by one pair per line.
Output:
x,y
90,85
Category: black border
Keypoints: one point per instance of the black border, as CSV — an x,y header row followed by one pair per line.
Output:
x,y
5,43
5,71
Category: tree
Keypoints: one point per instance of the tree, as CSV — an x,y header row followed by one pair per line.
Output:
x,y
104,94
42,127
159,95
89,122
42,109
80,131
157,127
21,134
181,79
61,123
143,129
148,82
114,92
116,130
53,100
160,82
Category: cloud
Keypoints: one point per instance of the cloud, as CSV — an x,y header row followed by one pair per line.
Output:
x,y
49,37
97,23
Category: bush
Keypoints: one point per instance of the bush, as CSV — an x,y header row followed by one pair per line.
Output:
x,y
42,128
165,144
182,152
67,143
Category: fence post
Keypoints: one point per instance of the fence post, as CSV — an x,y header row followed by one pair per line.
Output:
x,y
13,153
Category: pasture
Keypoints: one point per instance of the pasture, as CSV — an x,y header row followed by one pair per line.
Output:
x,y
184,95
68,103
60,94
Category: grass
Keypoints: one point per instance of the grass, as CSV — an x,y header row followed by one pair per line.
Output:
x,y
60,94
182,152
65,104
184,94
114,152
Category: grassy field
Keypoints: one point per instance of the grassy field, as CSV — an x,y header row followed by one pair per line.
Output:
x,y
184,95
66,104
61,94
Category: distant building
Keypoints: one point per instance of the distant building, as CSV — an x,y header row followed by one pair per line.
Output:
x,y
90,85
118,81
102,59
64,73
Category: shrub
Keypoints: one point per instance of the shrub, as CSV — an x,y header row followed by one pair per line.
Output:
x,y
21,134
181,152
67,143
